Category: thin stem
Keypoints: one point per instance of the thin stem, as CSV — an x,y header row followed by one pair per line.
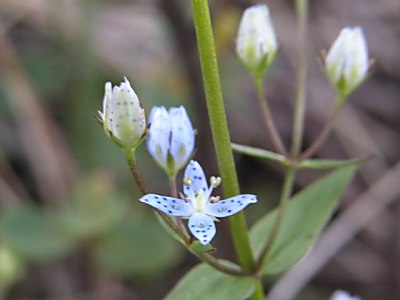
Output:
x,y
131,158
172,186
300,103
212,261
267,118
285,194
319,141
174,193
219,127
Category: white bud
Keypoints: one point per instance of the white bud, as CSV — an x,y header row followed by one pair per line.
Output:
x,y
342,295
347,60
171,137
256,43
123,117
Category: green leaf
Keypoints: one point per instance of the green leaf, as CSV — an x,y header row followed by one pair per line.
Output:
x,y
198,247
259,153
332,163
137,248
305,216
34,234
204,283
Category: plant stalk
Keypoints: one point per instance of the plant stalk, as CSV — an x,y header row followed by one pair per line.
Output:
x,y
320,140
267,118
220,132
285,194
300,102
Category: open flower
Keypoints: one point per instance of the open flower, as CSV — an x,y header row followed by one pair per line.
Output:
x,y
198,205
171,138
122,116
347,60
256,43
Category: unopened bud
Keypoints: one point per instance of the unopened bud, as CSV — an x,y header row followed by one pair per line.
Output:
x,y
122,117
171,138
256,43
347,61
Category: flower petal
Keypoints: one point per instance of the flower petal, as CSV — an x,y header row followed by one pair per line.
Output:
x,y
159,135
229,206
195,173
172,206
182,136
202,227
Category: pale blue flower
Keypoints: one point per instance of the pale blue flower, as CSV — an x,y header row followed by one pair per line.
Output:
x,y
171,138
198,205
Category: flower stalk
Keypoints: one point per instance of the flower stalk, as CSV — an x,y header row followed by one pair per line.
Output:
x,y
220,133
268,120
300,101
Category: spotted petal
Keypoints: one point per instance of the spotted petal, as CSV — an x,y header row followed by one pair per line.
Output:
x,y
159,134
229,206
195,173
172,206
202,227
182,136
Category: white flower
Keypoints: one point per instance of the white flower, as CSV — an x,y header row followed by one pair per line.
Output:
x,y
122,116
347,60
171,137
198,205
342,295
256,43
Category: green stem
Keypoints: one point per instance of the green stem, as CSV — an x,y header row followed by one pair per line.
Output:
x,y
131,158
267,117
285,194
219,128
300,103
319,141
174,193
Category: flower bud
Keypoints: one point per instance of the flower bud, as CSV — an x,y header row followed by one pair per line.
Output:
x,y
171,138
347,61
256,43
123,118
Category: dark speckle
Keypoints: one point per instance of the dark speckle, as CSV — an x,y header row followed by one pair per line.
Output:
x,y
204,236
229,211
159,202
170,211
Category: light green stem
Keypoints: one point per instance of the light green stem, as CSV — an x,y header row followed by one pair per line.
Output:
x,y
320,140
267,118
285,194
220,132
300,103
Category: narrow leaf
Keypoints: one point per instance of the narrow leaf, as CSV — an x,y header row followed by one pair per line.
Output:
x,y
204,283
305,216
332,163
260,153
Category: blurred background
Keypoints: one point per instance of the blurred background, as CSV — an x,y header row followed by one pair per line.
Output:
x,y
70,223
